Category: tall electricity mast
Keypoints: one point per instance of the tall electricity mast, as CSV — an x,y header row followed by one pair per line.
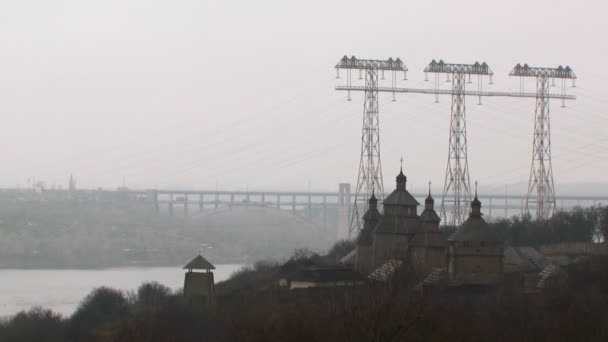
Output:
x,y
457,190
369,179
457,187
541,190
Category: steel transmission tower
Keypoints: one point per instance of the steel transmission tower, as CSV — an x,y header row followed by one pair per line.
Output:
x,y
369,179
457,187
541,190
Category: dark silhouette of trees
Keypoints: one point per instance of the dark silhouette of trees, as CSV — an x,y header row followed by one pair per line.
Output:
x,y
152,294
98,314
36,324
576,225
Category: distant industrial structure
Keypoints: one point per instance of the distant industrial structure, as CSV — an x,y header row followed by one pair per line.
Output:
x,y
323,209
456,191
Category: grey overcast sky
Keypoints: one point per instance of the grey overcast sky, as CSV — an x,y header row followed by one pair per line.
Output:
x,y
193,92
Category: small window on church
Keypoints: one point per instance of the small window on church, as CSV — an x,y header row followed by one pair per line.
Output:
x,y
482,244
465,243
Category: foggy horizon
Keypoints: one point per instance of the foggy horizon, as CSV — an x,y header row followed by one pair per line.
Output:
x,y
196,94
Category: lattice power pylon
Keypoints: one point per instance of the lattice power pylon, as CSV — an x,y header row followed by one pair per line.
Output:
x,y
457,190
457,187
369,179
541,190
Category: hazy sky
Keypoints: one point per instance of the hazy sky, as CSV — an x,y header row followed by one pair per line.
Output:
x,y
193,92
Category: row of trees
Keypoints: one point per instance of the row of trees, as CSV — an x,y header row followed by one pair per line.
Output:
x,y
576,225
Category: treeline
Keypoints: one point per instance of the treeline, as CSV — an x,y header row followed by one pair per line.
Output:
x,y
393,311
576,225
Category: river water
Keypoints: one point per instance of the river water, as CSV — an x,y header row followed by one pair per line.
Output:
x,y
62,290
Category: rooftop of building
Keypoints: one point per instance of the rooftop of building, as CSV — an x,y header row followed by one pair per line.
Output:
x,y
400,196
475,228
199,263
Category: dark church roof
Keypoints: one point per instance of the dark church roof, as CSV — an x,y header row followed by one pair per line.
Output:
x,y
199,263
428,234
292,266
370,221
475,228
400,196
429,215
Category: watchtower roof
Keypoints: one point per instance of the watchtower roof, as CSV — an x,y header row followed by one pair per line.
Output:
x,y
199,263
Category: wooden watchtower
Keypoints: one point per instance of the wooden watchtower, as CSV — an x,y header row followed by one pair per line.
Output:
x,y
199,286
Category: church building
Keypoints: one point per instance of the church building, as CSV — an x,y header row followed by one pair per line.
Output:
x,y
397,226
472,255
400,233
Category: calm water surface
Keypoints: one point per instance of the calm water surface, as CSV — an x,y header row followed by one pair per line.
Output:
x,y
62,290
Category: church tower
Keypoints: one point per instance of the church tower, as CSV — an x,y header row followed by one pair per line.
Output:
x,y
365,240
428,248
476,251
398,224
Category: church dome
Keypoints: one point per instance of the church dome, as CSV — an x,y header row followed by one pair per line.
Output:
x,y
400,196
475,228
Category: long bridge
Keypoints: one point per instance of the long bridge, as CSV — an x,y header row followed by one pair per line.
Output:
x,y
324,209
319,203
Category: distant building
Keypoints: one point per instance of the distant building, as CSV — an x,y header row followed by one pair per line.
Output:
x,y
199,287
286,272
72,184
